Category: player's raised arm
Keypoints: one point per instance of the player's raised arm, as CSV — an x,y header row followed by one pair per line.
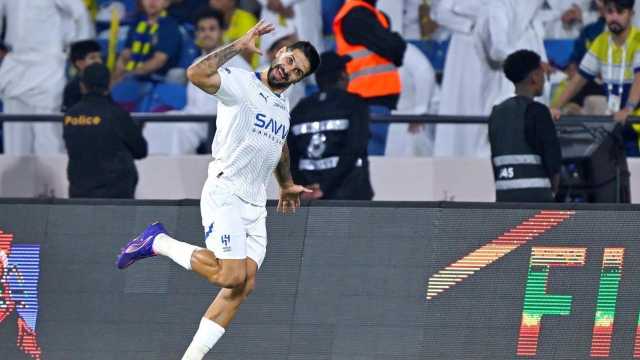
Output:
x,y
203,73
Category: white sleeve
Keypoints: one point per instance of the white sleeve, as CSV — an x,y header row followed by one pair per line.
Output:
x,y
231,85
426,80
499,46
424,77
78,14
73,8
442,12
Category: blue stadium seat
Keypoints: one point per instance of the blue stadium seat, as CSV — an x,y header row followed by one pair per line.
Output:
x,y
559,51
329,10
435,51
129,93
189,51
163,98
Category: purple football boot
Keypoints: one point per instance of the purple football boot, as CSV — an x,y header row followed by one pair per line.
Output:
x,y
140,247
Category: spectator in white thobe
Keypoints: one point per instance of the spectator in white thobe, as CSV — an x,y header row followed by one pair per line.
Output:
x,y
305,16
418,87
404,16
182,138
511,25
32,75
463,83
564,19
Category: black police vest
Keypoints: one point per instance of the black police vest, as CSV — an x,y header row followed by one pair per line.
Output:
x,y
516,166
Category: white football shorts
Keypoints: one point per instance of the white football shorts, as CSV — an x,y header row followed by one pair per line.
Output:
x,y
234,228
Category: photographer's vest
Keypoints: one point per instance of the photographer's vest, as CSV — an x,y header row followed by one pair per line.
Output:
x,y
370,75
518,170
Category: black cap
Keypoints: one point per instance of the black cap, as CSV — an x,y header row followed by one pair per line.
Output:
x,y
96,77
330,62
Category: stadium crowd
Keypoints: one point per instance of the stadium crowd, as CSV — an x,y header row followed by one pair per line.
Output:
x,y
422,57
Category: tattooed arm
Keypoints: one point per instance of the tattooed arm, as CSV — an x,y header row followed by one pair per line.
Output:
x,y
283,170
289,191
204,71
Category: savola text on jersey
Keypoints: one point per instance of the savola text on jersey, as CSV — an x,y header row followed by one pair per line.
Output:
x,y
271,125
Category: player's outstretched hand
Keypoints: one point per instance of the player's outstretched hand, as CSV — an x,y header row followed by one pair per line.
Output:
x,y
248,40
290,198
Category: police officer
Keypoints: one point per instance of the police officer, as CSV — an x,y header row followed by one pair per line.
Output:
x,y
102,142
329,135
524,147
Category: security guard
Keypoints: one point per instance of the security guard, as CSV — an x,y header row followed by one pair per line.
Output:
x,y
524,147
363,32
102,141
329,135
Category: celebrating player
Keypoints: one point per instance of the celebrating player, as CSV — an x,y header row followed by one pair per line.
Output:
x,y
250,142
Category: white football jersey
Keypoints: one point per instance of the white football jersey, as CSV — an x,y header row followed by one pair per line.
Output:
x,y
251,129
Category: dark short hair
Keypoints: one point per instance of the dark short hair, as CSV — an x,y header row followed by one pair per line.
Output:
x,y
620,4
520,64
208,13
80,49
96,78
309,52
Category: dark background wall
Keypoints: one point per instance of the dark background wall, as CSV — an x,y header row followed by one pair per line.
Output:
x,y
340,282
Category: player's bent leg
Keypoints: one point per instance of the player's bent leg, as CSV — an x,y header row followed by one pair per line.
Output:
x,y
220,314
228,301
225,273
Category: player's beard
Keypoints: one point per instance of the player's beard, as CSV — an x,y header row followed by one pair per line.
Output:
x,y
273,83
616,28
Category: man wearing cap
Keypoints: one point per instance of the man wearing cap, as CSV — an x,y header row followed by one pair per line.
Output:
x,y
524,147
102,142
329,135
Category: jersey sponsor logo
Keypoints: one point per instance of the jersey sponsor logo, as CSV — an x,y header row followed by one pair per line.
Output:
x,y
271,125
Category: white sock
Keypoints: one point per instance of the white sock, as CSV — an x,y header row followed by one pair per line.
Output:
x,y
207,335
178,251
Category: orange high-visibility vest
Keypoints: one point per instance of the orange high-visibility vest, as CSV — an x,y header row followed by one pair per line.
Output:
x,y
370,75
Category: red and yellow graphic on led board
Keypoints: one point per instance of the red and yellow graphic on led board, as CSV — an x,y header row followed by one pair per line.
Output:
x,y
494,250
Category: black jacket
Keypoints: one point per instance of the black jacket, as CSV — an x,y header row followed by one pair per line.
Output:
x,y
328,144
361,27
525,150
72,94
102,142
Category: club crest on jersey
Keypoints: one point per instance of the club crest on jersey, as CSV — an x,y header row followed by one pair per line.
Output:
x,y
271,126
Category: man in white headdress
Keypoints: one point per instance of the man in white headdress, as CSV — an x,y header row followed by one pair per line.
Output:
x,y
511,25
463,83
563,19
32,74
